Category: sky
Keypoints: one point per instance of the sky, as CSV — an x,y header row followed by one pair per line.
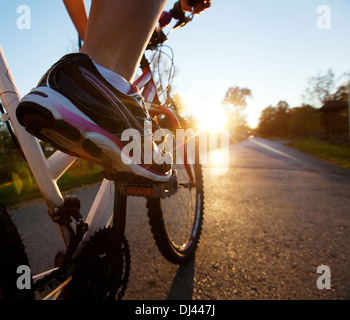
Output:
x,y
271,47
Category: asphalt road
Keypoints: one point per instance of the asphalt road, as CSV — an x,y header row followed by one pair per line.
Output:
x,y
270,221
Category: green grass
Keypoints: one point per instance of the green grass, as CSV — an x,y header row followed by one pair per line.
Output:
x,y
337,154
23,188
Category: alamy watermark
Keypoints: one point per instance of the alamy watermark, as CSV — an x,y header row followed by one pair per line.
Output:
x,y
24,21
25,279
177,147
324,281
324,20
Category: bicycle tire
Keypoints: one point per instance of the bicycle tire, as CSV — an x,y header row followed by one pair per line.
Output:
x,y
12,255
179,250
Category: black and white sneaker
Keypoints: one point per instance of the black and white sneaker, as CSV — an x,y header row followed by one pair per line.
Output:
x,y
80,113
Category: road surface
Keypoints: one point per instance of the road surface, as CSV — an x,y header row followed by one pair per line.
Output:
x,y
270,222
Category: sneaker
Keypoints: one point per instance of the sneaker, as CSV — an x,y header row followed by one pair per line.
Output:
x,y
80,113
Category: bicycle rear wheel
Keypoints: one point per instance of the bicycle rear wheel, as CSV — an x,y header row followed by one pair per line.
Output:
x,y
12,255
176,222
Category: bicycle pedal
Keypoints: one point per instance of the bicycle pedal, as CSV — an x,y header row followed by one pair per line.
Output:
x,y
151,190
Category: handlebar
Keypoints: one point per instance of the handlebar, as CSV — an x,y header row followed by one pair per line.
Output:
x,y
176,13
179,15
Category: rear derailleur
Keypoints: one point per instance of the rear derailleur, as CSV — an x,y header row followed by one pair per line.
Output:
x,y
87,275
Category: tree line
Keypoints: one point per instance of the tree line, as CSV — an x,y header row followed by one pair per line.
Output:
x,y
285,122
305,121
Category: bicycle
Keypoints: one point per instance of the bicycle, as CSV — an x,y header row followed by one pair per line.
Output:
x,y
175,209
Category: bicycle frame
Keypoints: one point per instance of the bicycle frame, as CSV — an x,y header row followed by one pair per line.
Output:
x,y
46,172
150,94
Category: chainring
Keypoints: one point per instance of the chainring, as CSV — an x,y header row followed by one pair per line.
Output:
x,y
92,278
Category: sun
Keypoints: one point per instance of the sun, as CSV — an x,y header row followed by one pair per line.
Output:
x,y
212,121
208,112
211,118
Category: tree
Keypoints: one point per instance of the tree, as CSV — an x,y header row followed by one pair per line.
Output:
x,y
321,87
237,97
284,122
236,101
6,143
325,87
267,122
304,122
274,121
341,94
186,119
282,119
177,100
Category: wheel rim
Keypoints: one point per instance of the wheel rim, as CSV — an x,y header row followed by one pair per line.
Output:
x,y
181,212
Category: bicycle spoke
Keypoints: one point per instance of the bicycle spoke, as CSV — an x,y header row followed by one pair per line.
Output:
x,y
178,204
177,233
178,209
186,217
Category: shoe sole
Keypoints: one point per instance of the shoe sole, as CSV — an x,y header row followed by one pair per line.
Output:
x,y
51,117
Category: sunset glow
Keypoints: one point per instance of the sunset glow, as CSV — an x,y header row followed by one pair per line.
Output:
x,y
210,117
213,122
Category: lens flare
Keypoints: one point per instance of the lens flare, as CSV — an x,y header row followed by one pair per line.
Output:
x,y
213,122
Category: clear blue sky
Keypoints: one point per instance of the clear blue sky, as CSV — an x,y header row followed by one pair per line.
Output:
x,y
271,47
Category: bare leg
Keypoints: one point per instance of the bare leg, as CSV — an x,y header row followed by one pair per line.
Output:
x,y
118,32
77,12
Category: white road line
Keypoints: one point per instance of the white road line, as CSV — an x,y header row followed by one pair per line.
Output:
x,y
276,151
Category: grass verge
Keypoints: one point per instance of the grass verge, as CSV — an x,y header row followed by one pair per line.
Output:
x,y
23,188
337,154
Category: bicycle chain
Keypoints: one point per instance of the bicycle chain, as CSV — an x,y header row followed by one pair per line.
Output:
x,y
47,281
